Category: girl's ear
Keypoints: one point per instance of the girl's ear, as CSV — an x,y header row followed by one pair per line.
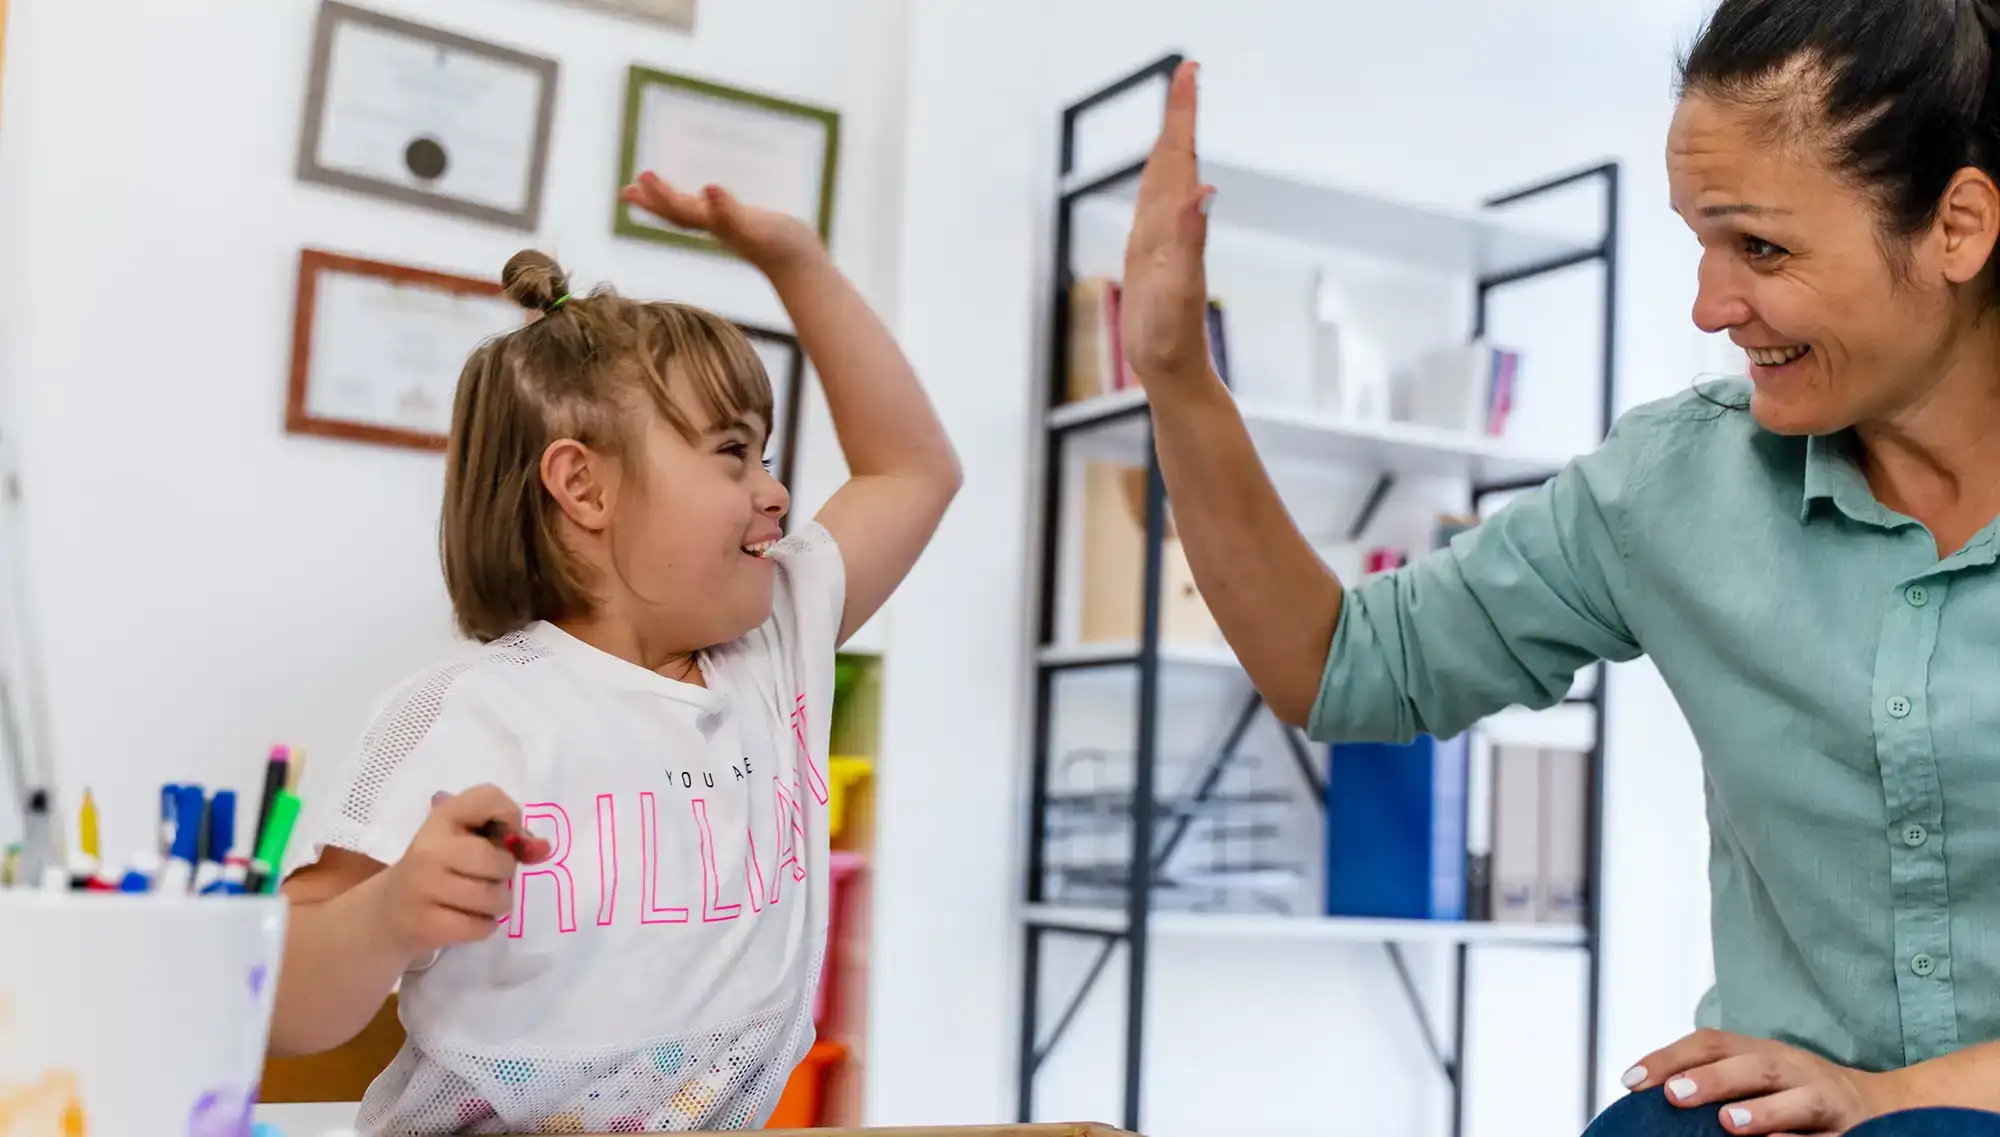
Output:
x,y
583,482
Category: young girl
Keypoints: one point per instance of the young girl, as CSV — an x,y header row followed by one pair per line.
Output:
x,y
593,851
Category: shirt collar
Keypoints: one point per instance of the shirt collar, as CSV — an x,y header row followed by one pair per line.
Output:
x,y
625,675
1833,473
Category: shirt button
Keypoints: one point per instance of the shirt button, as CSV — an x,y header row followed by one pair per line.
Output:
x,y
1898,706
1914,835
1922,964
1917,595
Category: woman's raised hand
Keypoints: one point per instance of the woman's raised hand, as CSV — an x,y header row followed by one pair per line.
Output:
x,y
1165,290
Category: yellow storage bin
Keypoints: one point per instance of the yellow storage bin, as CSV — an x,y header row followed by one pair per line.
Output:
x,y
846,773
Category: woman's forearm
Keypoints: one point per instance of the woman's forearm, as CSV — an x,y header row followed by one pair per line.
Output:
x,y
1968,1079
1275,601
340,964
884,421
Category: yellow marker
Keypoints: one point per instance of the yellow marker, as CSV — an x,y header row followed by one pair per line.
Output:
x,y
89,822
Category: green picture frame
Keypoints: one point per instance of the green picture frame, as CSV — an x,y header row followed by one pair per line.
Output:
x,y
640,79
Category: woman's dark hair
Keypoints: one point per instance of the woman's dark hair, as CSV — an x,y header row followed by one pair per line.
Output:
x,y
1902,93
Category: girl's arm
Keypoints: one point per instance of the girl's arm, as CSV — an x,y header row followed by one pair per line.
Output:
x,y
356,926
903,470
341,960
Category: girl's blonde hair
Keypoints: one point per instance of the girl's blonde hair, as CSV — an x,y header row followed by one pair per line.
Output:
x,y
586,369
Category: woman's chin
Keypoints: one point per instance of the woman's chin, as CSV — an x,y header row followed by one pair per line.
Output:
x,y
1793,412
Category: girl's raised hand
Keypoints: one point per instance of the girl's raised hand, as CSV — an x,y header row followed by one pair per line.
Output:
x,y
766,238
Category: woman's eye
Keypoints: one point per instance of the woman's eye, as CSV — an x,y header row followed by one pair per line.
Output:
x,y
1758,249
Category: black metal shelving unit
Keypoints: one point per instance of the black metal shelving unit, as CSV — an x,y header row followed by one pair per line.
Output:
x,y
1158,827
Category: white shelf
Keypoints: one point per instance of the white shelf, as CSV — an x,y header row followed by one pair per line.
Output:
x,y
1188,925
1334,218
1117,430
1073,655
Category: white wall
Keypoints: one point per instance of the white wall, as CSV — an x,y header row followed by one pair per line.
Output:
x,y
209,585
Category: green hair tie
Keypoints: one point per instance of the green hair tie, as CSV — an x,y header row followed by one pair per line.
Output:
x,y
556,303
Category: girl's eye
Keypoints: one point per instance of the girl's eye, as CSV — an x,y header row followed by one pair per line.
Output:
x,y
1758,249
736,450
770,465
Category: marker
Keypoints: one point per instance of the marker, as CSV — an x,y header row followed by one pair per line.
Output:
x,y
87,822
139,878
275,771
220,838
178,874
35,841
270,858
10,864
233,875
170,796
82,869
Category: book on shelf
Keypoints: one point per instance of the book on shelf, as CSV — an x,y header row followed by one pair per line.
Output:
x,y
1469,387
1096,347
1395,829
1114,566
1540,803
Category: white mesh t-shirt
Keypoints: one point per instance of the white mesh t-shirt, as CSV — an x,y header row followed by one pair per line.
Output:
x,y
658,969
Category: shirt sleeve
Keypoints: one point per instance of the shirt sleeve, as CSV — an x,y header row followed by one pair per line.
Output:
x,y
1505,615
438,732
811,590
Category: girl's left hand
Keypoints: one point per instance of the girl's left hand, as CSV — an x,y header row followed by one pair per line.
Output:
x,y
1764,1087
764,237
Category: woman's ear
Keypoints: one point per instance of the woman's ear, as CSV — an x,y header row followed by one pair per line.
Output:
x,y
583,482
1968,219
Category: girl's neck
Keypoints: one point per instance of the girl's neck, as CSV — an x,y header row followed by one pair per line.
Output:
x,y
613,636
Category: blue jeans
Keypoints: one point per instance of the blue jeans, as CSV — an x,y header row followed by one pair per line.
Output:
x,y
1648,1114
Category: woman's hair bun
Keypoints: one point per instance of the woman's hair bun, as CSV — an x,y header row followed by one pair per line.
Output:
x,y
534,280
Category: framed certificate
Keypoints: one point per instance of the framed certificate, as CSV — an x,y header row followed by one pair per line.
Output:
x,y
377,348
785,363
427,117
677,14
768,151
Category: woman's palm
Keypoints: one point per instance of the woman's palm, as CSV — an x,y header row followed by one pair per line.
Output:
x,y
1165,291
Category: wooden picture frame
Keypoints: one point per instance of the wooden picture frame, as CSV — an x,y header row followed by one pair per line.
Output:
x,y
305,412
756,178
676,14
788,385
440,155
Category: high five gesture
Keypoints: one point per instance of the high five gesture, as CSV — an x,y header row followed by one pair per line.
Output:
x,y
1274,600
1166,283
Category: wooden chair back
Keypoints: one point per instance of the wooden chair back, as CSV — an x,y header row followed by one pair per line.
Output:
x,y
341,1074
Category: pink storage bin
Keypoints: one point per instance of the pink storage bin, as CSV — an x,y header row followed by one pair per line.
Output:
x,y
844,866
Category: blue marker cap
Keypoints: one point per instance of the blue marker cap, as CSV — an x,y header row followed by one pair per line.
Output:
x,y
187,824
221,824
170,796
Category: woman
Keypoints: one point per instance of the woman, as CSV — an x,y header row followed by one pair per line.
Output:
x,y
1808,558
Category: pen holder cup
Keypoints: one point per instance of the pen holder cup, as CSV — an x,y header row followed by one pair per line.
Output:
x,y
134,1015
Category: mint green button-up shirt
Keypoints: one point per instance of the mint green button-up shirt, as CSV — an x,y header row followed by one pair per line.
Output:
x,y
1842,682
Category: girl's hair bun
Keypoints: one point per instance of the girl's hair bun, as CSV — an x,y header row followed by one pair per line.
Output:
x,y
534,280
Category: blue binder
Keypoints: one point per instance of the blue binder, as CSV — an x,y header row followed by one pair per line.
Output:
x,y
1395,829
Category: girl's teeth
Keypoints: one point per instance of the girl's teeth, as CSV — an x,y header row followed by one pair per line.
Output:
x,y
1773,356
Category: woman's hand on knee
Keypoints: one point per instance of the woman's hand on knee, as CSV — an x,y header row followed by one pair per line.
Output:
x,y
1764,1087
